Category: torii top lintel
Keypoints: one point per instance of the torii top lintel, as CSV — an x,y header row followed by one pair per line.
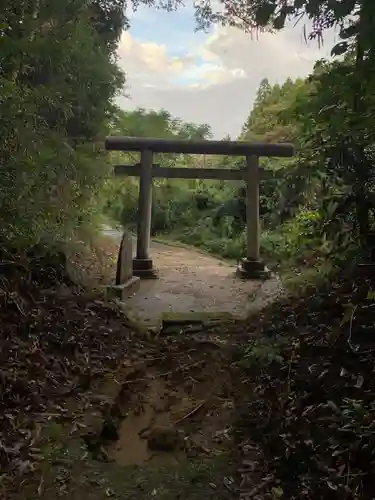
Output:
x,y
182,146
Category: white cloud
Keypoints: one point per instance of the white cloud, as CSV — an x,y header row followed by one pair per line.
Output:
x,y
216,81
150,64
147,59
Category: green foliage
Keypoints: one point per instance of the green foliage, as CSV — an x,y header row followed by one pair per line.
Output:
x,y
353,18
58,79
174,201
263,352
336,134
297,241
338,150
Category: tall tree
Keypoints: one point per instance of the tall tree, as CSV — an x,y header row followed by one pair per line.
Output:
x,y
356,22
58,78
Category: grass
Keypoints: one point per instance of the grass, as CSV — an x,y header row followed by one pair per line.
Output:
x,y
300,281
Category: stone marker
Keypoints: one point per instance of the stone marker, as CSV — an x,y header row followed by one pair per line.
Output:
x,y
125,260
126,284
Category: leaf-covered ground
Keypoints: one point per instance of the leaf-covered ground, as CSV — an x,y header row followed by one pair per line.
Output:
x,y
278,407
311,417
74,368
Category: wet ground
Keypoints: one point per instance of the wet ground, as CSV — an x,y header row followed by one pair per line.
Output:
x,y
164,429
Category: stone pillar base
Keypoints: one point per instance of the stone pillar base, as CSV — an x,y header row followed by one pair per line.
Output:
x,y
143,268
253,270
124,290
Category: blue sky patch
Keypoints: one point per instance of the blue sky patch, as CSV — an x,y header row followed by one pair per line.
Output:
x,y
175,30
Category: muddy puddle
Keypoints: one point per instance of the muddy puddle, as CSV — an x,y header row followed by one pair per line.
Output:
x,y
165,426
150,416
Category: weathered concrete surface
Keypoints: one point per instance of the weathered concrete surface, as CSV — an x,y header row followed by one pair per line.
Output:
x,y
192,281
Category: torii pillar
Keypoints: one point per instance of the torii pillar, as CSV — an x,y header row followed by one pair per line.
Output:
x,y
251,267
142,263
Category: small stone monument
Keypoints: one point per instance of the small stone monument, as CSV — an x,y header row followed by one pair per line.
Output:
x,y
125,260
125,283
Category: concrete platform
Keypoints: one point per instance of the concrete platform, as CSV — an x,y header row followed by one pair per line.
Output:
x,y
125,290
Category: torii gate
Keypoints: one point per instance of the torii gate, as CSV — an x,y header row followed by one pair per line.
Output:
x,y
251,267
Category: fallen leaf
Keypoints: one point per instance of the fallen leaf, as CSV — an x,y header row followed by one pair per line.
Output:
x,y
277,492
359,382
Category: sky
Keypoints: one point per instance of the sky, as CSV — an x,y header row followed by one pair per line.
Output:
x,y
207,77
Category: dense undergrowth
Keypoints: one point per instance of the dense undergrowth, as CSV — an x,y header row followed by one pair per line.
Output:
x,y
311,413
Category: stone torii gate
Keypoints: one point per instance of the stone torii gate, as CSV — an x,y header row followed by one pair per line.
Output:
x,y
251,267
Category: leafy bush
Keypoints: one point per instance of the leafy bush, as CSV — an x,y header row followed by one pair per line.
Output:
x,y
296,241
51,117
264,351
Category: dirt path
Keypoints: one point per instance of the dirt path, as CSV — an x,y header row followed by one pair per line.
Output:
x,y
163,429
156,420
189,281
